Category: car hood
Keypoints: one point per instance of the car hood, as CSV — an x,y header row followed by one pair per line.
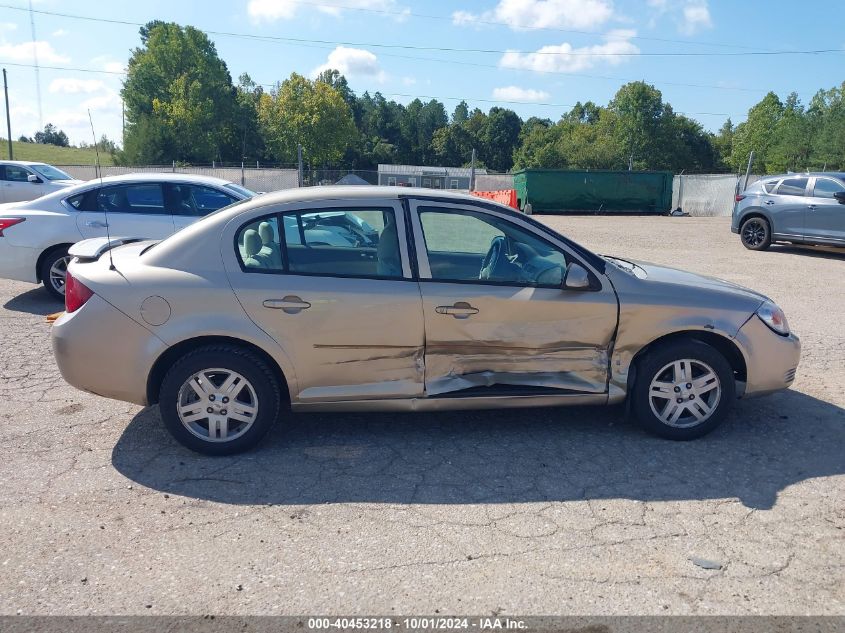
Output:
x,y
659,277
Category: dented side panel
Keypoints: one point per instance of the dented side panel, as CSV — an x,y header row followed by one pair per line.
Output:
x,y
541,337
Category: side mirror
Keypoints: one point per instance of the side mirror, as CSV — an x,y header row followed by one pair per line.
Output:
x,y
34,179
576,278
840,197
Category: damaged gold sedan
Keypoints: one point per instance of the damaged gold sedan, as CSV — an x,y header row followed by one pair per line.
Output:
x,y
397,299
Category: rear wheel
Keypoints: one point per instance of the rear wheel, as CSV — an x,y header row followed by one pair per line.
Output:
x,y
756,234
219,400
53,271
683,390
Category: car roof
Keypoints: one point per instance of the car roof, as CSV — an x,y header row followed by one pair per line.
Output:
x,y
350,192
806,174
159,176
22,162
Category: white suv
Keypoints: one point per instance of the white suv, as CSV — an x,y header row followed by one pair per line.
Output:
x,y
22,180
35,236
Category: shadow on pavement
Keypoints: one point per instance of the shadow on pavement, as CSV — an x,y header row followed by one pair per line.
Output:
x,y
825,252
35,301
505,456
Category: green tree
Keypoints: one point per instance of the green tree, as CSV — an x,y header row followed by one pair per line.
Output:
x,y
756,133
178,95
500,137
640,114
310,113
51,135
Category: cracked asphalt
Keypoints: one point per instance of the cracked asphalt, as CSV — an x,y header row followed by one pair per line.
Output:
x,y
568,511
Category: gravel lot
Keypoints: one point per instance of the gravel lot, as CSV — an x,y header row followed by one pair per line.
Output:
x,y
571,511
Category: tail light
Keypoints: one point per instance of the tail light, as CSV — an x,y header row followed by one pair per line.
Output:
x,y
5,223
76,293
739,197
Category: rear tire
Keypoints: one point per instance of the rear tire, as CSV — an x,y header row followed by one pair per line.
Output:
x,y
219,400
756,234
683,390
53,271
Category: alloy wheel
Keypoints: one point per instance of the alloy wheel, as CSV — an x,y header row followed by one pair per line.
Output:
x,y
754,233
684,393
58,274
217,405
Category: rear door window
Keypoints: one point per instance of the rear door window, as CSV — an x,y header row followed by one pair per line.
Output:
x,y
142,198
195,200
792,187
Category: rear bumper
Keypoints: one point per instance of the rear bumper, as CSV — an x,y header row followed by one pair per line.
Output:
x,y
771,360
87,360
18,262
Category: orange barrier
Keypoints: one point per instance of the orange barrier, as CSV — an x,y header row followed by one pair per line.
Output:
x,y
503,196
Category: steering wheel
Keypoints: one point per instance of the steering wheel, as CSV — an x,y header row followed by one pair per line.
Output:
x,y
491,260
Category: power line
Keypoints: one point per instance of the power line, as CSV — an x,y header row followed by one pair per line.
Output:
x,y
389,94
452,49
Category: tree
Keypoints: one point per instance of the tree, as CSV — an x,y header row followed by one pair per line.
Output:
x,y
500,137
178,95
639,109
310,113
51,135
461,113
756,133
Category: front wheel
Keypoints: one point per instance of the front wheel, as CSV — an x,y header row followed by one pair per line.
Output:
x,y
683,390
219,400
53,271
756,234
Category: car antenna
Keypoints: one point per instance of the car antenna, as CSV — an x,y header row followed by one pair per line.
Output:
x,y
100,174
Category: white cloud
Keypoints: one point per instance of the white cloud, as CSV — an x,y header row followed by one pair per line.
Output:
x,y
275,10
515,93
23,52
353,62
60,33
565,58
696,16
8,26
67,85
522,14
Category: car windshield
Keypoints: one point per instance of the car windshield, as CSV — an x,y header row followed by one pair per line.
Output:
x,y
51,173
240,190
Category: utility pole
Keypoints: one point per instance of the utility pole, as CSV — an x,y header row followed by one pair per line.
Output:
x,y
8,120
472,171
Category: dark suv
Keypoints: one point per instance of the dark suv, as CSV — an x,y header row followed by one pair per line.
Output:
x,y
797,208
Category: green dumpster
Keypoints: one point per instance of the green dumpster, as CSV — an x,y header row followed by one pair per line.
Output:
x,y
559,191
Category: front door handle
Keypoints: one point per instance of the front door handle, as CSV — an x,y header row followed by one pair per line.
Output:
x,y
460,310
96,224
289,305
811,207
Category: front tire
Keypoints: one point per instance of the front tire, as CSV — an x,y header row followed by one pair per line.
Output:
x,y
683,390
53,271
756,234
219,400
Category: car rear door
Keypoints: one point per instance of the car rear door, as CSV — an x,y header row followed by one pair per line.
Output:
x,y
130,209
825,219
346,311
516,330
788,208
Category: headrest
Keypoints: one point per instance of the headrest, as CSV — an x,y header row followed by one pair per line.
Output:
x,y
266,232
252,243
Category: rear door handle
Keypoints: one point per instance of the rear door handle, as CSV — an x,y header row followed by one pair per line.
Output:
x,y
769,202
459,310
811,207
96,224
289,305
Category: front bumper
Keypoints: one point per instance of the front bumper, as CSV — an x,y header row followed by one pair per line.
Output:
x,y
18,262
101,350
771,359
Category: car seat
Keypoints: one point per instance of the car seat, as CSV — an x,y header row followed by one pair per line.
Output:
x,y
389,262
270,251
251,250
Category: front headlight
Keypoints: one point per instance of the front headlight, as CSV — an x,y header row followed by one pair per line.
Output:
x,y
774,317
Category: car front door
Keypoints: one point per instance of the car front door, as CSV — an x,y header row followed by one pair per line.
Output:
x,y
825,219
788,208
340,302
496,317
131,210
17,187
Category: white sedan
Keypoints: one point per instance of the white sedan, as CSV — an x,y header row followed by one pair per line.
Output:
x,y
35,236
22,180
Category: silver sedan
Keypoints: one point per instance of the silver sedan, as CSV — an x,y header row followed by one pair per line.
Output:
x,y
432,301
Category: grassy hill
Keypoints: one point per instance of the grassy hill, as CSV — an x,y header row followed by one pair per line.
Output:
x,y
52,154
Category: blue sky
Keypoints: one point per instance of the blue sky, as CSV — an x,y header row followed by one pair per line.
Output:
x,y
541,55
